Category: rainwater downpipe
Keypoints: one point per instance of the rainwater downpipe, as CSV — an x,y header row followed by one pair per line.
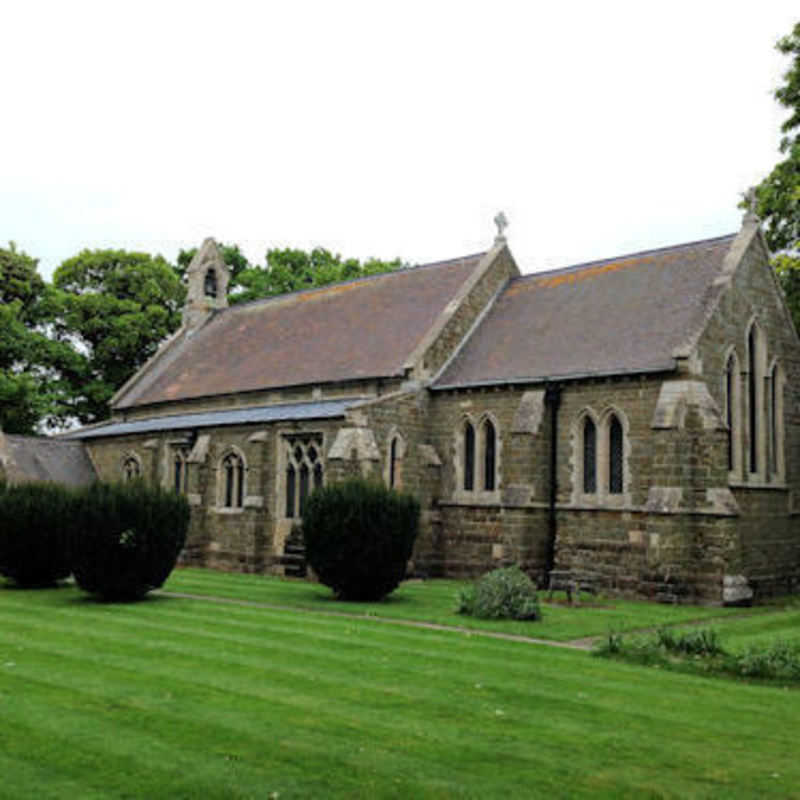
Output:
x,y
552,399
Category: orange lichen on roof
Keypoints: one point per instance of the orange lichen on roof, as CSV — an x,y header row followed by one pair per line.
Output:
x,y
581,274
331,291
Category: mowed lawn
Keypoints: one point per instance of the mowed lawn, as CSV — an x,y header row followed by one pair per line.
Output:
x,y
435,601
183,698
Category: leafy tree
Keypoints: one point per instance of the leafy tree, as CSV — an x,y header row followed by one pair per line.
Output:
x,y
30,360
20,281
289,270
117,306
779,193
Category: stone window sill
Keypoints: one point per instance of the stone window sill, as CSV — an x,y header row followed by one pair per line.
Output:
x,y
476,498
604,501
758,483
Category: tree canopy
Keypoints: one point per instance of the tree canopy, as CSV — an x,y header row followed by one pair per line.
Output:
x,y
117,306
778,194
289,270
31,360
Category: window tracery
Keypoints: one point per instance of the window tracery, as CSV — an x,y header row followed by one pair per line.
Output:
x,y
131,468
304,471
233,474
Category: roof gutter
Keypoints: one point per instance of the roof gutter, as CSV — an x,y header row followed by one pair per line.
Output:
x,y
569,376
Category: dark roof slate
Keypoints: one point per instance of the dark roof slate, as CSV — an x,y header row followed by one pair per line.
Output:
x,y
365,328
54,460
321,409
617,316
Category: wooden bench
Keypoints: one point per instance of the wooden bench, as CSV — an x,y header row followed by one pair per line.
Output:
x,y
573,583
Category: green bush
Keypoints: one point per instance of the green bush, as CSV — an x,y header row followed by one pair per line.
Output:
x,y
359,536
35,533
128,539
506,593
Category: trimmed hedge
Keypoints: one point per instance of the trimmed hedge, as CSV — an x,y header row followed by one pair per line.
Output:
x,y
36,527
506,593
129,538
359,536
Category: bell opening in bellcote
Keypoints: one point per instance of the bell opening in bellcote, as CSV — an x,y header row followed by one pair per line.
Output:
x,y
210,285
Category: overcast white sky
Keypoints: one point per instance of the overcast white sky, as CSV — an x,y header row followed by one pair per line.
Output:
x,y
386,129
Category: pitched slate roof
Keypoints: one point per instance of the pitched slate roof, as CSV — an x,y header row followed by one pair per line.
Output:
x,y
621,315
364,328
321,409
54,460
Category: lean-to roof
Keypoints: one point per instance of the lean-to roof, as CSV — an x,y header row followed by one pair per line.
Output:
x,y
320,409
621,315
53,460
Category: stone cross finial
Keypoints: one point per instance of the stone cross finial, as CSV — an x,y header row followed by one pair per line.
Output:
x,y
751,201
502,223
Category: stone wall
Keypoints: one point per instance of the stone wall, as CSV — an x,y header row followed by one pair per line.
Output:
x,y
768,526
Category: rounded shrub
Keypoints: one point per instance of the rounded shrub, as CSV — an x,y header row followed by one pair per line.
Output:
x,y
506,593
35,533
128,539
359,536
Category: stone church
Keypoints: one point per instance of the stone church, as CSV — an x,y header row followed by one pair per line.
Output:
x,y
635,419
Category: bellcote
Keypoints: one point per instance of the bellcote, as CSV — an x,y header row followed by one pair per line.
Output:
x,y
207,278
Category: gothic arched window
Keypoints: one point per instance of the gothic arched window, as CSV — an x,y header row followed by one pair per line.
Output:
x,y
233,473
589,456
753,428
469,457
776,446
615,455
393,463
489,455
304,471
732,391
180,477
291,477
131,469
